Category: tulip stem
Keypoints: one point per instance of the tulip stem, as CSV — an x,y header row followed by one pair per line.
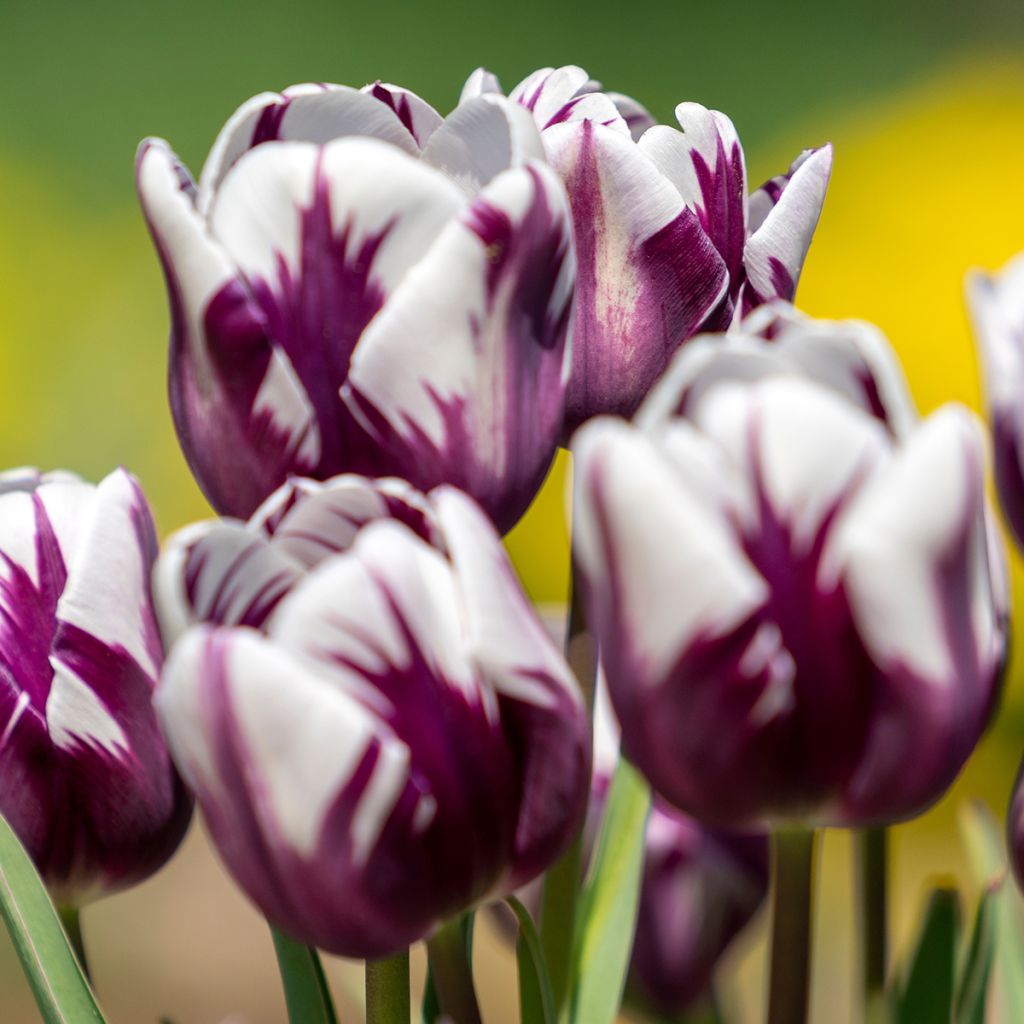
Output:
x,y
561,890
452,973
872,870
70,918
387,990
792,908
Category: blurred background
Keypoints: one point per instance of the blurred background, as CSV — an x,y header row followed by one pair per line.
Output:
x,y
925,105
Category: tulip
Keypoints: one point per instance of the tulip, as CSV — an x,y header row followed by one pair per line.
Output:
x,y
358,285
668,242
997,306
376,726
801,612
86,781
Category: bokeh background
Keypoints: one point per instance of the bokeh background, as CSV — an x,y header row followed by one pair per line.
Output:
x,y
925,105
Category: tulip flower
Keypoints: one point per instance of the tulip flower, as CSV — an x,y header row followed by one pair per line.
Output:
x,y
668,242
358,285
376,726
801,613
997,306
86,781
700,889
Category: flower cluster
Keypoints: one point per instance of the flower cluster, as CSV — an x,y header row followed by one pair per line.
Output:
x,y
384,322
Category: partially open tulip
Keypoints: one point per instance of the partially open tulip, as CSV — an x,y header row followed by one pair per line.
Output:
x,y
668,242
801,611
700,889
377,728
997,306
86,781
358,285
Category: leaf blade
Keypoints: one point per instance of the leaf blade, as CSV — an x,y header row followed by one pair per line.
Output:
x,y
61,990
536,1000
927,996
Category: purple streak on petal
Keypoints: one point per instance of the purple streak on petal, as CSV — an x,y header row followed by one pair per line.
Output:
x,y
721,212
1008,456
619,354
528,260
317,315
399,104
268,126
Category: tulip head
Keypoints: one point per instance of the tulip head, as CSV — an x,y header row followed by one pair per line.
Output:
x,y
357,284
997,308
802,614
668,241
376,726
86,781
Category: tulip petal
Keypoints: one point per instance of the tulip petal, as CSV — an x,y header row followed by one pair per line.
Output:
x,y
477,402
324,235
241,415
479,83
637,117
421,120
539,698
567,94
304,113
705,163
849,357
783,215
648,276
913,556
482,138
997,310
701,683
801,488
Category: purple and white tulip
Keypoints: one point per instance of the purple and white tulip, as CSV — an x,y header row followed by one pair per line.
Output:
x,y
700,889
668,242
86,781
377,728
997,307
801,607
357,284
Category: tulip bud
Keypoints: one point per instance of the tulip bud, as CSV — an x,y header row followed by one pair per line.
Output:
x,y
997,308
358,285
802,614
86,781
668,242
377,728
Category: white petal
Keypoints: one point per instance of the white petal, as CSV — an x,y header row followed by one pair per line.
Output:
x,y
506,638
479,83
895,542
303,113
108,589
75,716
676,569
482,138
567,94
808,449
415,113
371,189
997,309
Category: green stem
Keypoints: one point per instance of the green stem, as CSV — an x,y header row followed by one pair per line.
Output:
x,y
387,990
792,876
70,918
306,995
561,889
453,973
872,870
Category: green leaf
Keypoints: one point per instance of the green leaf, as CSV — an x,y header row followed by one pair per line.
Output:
x,y
927,996
972,985
305,988
61,990
536,1002
610,900
986,851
